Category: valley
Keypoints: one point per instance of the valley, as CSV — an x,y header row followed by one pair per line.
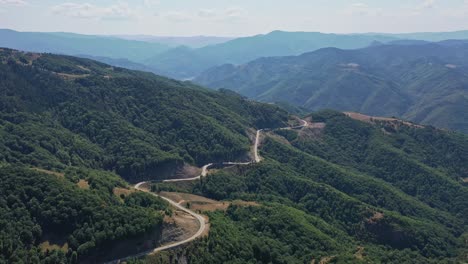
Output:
x,y
355,151
177,204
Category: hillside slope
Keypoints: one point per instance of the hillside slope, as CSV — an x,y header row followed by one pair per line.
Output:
x,y
51,217
425,83
69,127
337,190
61,111
344,191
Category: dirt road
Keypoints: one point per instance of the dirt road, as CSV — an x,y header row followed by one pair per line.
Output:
x,y
201,229
200,219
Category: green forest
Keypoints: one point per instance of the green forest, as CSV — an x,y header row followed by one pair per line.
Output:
x,y
63,111
350,193
66,123
410,81
75,134
35,205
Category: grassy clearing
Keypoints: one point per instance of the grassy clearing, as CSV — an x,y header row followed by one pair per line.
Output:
x,y
202,204
122,192
47,246
54,173
83,184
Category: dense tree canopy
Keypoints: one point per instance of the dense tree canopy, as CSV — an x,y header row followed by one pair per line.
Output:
x,y
35,205
58,111
372,193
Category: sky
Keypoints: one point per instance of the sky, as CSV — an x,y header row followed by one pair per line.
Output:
x,y
232,17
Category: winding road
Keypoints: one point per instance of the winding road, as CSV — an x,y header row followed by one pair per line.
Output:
x,y
203,174
200,218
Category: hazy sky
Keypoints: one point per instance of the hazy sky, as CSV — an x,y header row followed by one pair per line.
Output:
x,y
232,17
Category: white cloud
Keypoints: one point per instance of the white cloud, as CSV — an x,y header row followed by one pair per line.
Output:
x,y
178,16
206,13
459,12
232,13
13,2
362,9
428,4
151,3
89,11
423,6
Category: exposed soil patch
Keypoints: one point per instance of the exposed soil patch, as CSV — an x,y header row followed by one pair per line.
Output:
x,y
54,173
51,242
313,131
67,76
83,184
47,246
327,260
178,227
84,68
318,125
206,232
184,197
359,253
393,122
375,218
187,171
122,191
203,204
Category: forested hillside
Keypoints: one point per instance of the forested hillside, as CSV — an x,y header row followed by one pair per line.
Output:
x,y
424,83
73,130
350,192
61,111
70,217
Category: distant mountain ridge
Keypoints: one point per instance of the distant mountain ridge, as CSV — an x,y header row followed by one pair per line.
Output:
x,y
241,50
76,44
186,57
425,83
433,36
174,41
335,189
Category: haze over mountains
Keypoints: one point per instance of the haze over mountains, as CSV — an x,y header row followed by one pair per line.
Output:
x,y
75,44
425,83
191,42
264,165
73,130
162,55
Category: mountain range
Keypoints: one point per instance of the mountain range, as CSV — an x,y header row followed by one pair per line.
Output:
x,y
74,132
422,82
276,148
191,62
187,57
191,42
76,44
